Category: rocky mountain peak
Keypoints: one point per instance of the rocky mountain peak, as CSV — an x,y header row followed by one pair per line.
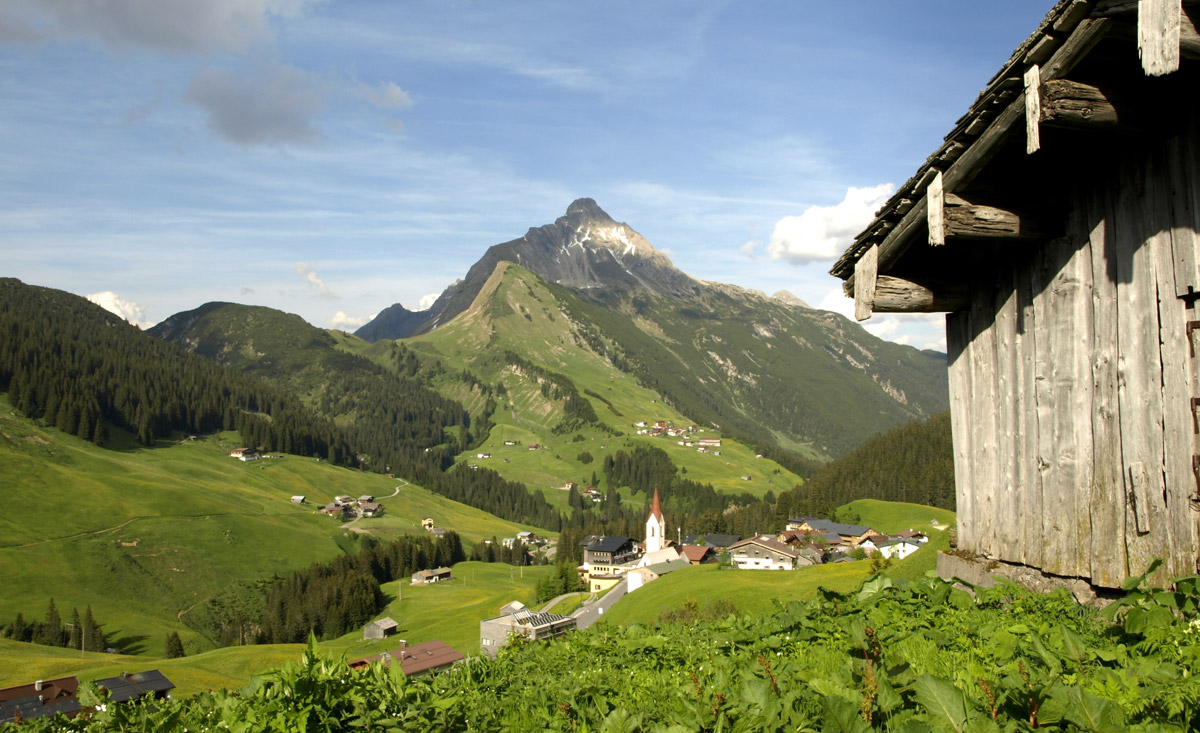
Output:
x,y
588,209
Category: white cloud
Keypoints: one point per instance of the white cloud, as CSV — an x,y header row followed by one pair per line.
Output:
x,y
750,248
344,322
175,26
127,309
427,301
386,95
824,232
308,271
265,104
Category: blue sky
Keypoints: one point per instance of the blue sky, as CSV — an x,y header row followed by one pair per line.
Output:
x,y
332,158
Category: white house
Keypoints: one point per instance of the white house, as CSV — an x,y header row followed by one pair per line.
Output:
x,y
900,548
765,553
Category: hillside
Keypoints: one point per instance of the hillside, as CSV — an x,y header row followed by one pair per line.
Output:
x,y
78,367
518,348
148,536
772,372
913,463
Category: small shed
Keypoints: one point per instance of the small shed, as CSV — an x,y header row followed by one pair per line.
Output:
x,y
379,629
299,499
1058,226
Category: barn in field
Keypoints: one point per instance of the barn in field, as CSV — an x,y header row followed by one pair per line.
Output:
x,y
1057,226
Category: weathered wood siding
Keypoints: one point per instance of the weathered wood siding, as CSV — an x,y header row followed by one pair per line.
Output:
x,y
1072,375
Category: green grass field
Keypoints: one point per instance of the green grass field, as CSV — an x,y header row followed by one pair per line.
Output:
x,y
750,591
449,611
143,535
891,517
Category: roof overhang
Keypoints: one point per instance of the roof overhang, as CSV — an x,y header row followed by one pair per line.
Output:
x,y
938,207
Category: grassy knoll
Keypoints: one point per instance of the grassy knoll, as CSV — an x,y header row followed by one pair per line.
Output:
x,y
144,535
891,517
449,611
230,668
923,560
750,591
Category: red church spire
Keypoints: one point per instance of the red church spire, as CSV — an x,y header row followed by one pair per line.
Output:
x,y
655,508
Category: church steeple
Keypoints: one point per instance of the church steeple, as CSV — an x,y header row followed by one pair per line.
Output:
x,y
655,525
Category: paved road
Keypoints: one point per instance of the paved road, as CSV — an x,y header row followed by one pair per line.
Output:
x,y
590,614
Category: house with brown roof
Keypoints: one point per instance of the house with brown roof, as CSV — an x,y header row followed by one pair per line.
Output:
x,y
765,553
40,699
698,554
424,658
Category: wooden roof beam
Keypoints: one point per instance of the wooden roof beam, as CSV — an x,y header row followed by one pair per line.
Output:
x,y
896,295
1066,103
965,220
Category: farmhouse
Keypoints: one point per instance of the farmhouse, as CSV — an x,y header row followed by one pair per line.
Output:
x,y
43,698
1057,226
370,509
432,576
765,553
852,533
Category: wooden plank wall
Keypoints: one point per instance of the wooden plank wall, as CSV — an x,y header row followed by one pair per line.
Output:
x,y
1071,378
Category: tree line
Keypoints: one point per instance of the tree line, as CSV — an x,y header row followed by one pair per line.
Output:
x,y
84,633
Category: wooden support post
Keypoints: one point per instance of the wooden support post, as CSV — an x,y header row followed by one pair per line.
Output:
x,y
975,221
935,211
896,295
1158,35
1033,109
865,272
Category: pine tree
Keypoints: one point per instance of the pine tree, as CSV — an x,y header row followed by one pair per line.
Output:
x,y
75,632
50,632
174,646
93,635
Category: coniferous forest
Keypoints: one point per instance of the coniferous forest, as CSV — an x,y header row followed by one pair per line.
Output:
x,y
85,371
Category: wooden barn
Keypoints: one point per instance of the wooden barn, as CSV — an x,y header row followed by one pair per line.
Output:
x,y
1057,226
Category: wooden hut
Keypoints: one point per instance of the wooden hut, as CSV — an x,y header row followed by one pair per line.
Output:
x,y
1058,228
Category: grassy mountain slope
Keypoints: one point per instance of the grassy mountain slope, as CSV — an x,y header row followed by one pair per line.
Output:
x,y
517,312
146,535
805,379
